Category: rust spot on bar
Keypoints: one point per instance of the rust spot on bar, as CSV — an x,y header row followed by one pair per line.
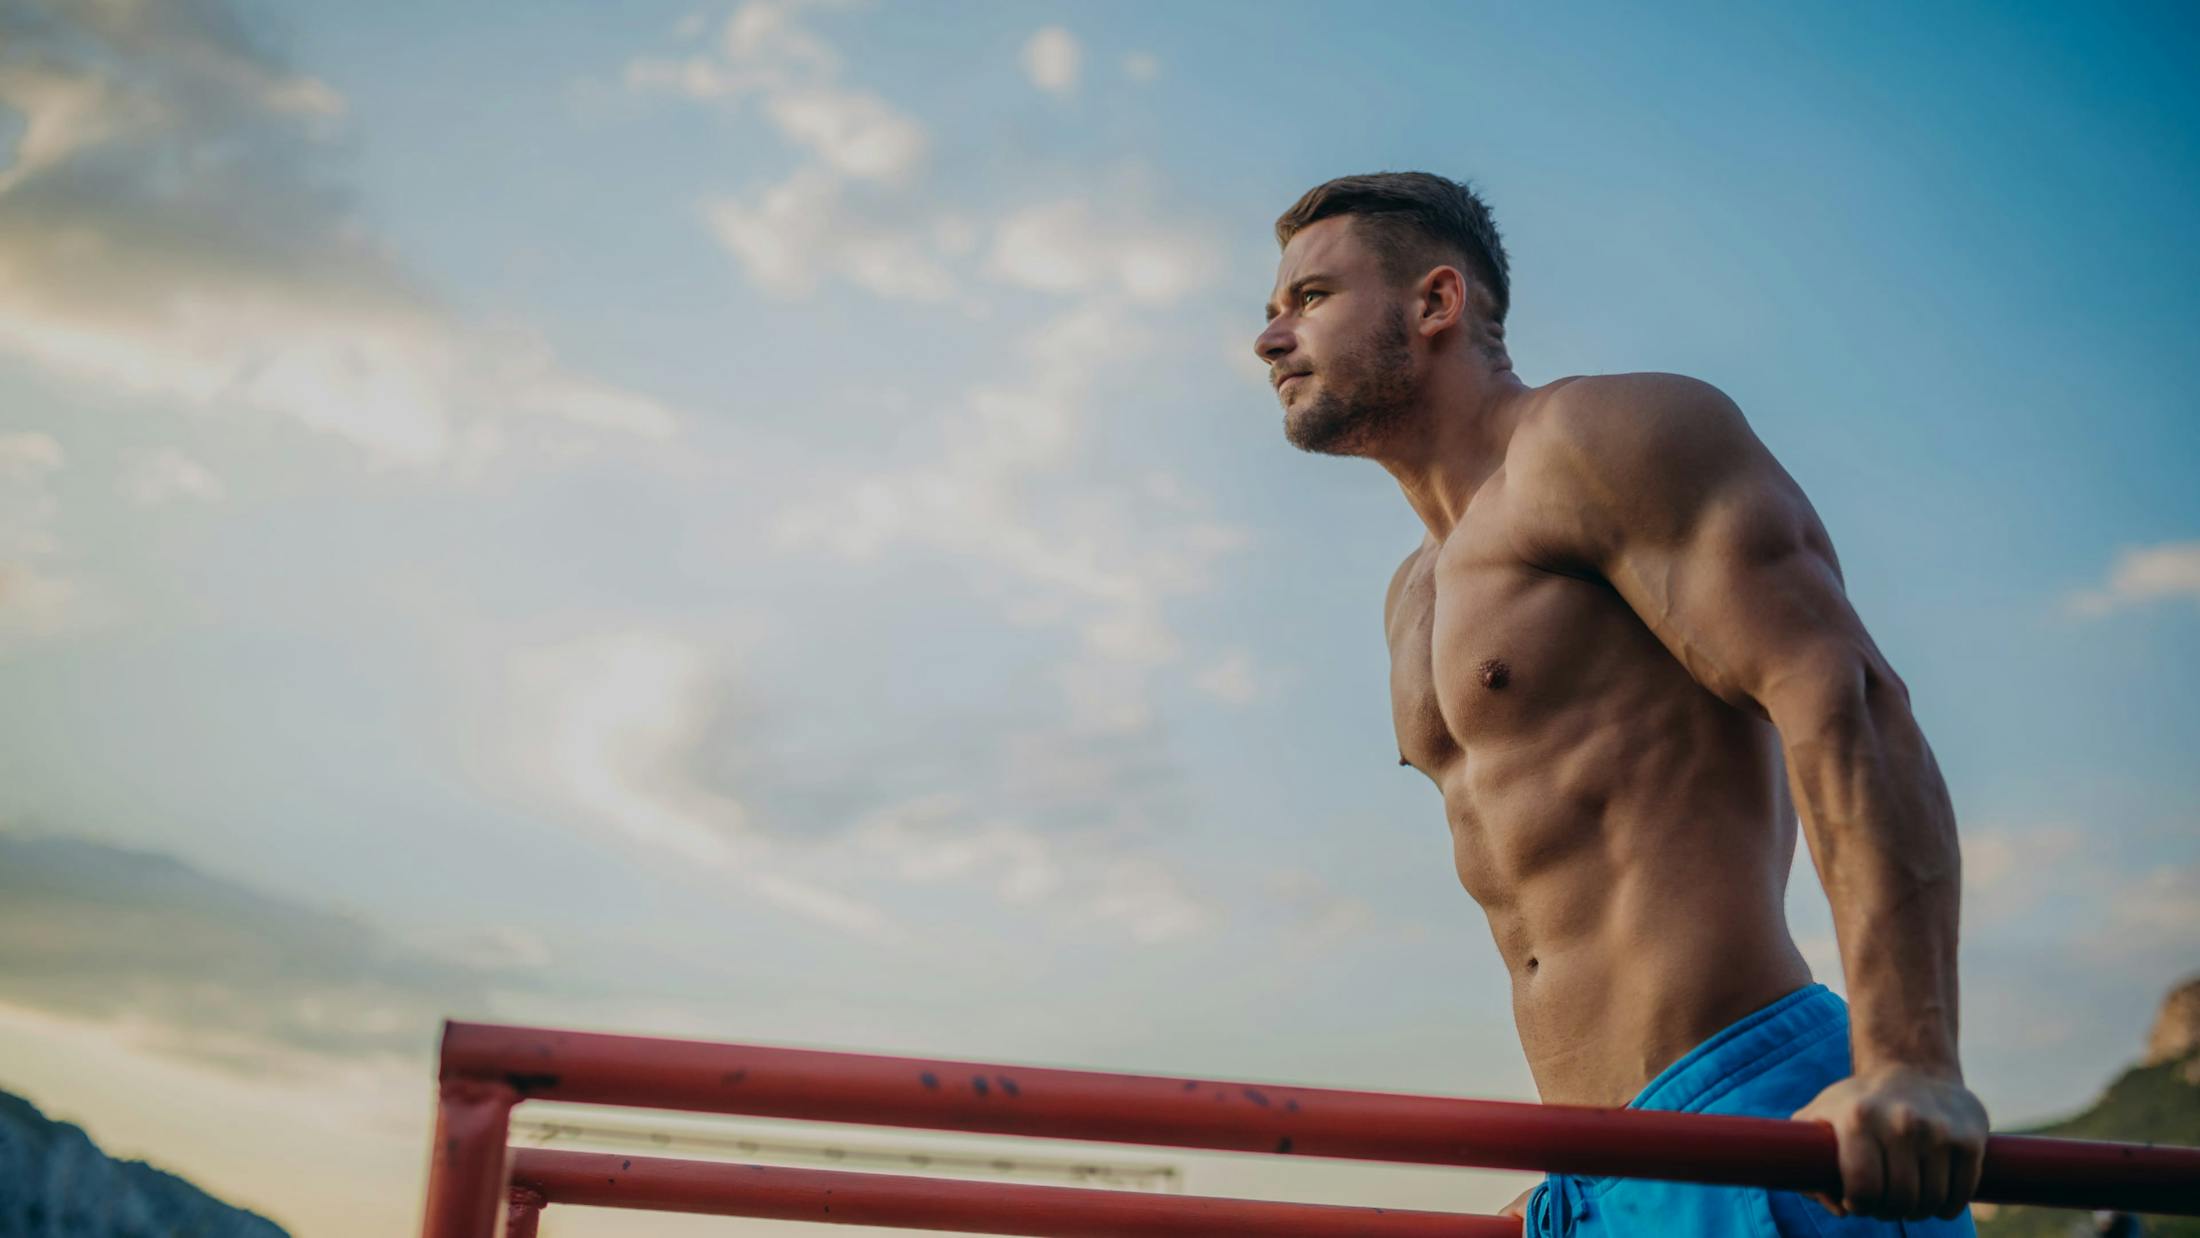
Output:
x,y
524,1084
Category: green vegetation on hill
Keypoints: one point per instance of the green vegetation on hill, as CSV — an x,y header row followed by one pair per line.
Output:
x,y
2149,1104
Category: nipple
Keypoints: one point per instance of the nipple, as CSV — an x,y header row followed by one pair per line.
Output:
x,y
1495,674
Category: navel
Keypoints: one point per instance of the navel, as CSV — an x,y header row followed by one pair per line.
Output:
x,y
1494,674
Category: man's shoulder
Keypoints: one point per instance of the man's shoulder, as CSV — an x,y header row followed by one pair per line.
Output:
x,y
1599,458
1599,423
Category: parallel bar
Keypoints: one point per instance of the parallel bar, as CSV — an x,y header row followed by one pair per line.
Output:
x,y
466,1165
837,1197
1067,1104
523,1212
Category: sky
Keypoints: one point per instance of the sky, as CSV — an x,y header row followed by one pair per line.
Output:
x,y
763,522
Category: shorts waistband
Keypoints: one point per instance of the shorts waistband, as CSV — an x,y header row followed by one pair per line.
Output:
x,y
1763,1037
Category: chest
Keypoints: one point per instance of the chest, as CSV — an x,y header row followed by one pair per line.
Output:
x,y
1486,648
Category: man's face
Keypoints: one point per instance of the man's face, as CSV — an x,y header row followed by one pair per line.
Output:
x,y
1336,345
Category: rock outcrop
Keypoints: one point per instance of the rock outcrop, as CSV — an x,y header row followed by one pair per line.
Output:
x,y
56,1183
2176,1033
2157,1101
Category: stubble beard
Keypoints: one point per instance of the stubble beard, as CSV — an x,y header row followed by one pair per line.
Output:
x,y
1364,395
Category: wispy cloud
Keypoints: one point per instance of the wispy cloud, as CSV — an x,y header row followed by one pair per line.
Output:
x,y
659,739
844,213
1102,559
1231,679
1067,247
1051,59
170,230
1317,909
791,236
198,967
2140,916
614,731
996,476
2144,574
169,476
34,599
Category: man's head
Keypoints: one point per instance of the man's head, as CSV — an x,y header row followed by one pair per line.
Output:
x,y
1371,267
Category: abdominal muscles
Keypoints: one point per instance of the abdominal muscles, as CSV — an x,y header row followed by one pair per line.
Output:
x,y
1633,874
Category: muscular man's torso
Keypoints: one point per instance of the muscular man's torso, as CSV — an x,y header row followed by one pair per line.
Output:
x,y
1627,833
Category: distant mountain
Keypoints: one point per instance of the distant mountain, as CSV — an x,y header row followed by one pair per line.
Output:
x,y
2157,1101
56,1183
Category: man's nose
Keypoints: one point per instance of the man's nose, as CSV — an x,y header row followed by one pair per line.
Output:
x,y
1274,344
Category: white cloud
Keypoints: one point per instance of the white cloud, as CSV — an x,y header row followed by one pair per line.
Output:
x,y
1141,66
854,133
192,965
34,602
1113,559
1051,59
167,476
29,454
2161,904
1231,678
1084,879
166,232
2008,871
1067,247
844,214
2138,913
793,234
2144,574
766,56
609,730
1318,910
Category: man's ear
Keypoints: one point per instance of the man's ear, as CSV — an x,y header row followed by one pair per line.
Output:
x,y
1442,300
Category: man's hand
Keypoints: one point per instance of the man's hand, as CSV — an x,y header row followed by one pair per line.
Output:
x,y
1911,1142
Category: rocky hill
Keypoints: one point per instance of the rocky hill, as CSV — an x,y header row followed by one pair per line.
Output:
x,y
2156,1101
56,1183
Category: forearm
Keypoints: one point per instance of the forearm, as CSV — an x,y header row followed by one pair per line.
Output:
x,y
1882,833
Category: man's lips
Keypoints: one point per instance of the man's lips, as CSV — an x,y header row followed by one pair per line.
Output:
x,y
1288,379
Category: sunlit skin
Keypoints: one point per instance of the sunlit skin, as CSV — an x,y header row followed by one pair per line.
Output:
x,y
1624,655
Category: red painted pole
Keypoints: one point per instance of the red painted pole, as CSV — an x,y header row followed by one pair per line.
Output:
x,y
1068,1104
837,1197
523,1212
466,1165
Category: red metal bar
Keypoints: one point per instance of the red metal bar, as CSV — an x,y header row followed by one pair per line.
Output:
x,y
466,1166
837,1197
1068,1104
523,1212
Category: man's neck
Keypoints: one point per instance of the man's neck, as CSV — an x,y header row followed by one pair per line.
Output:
x,y
1443,453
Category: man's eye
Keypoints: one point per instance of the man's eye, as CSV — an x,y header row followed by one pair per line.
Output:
x,y
1308,296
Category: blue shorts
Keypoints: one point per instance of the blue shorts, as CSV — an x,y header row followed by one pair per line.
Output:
x,y
1767,1064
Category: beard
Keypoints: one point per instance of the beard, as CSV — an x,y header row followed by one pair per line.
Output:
x,y
1364,394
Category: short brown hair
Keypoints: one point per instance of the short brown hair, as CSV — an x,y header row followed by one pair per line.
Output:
x,y
1410,217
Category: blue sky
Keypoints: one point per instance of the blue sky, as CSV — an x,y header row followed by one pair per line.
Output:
x,y
762,521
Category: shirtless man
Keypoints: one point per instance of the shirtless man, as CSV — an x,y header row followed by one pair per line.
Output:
x,y
1624,655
